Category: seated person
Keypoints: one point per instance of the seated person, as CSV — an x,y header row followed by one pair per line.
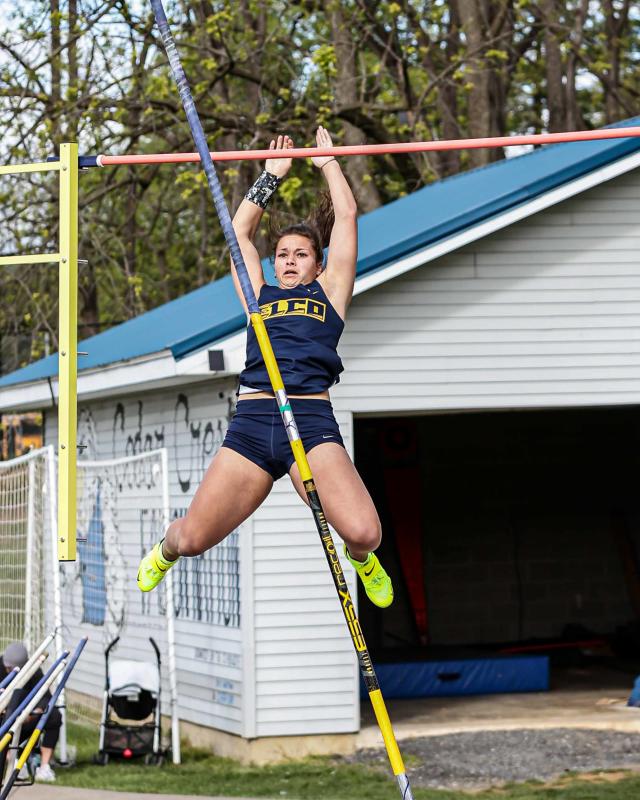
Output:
x,y
15,655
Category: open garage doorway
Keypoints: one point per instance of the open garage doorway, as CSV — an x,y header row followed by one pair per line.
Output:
x,y
505,530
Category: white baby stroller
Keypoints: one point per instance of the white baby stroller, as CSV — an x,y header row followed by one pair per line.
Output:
x,y
132,693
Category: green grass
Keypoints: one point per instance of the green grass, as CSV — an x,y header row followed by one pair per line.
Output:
x,y
308,779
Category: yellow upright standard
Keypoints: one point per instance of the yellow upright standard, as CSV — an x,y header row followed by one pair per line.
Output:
x,y
67,260
68,353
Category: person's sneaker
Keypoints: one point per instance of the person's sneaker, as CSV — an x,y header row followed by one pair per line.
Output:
x,y
153,568
44,774
377,584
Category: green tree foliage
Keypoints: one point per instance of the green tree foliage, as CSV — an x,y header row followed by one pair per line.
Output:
x,y
94,71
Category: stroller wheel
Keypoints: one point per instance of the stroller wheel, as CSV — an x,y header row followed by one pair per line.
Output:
x,y
102,759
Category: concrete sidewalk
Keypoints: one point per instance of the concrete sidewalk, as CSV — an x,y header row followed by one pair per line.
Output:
x,y
590,699
43,792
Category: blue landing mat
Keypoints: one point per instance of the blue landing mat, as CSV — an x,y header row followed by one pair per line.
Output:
x,y
463,677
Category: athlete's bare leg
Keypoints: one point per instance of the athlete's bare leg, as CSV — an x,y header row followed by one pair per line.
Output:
x,y
231,490
345,500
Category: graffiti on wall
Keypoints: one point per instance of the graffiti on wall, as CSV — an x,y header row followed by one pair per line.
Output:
x,y
123,514
193,442
94,588
133,433
207,588
203,440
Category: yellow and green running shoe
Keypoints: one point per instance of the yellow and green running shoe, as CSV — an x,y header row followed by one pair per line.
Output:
x,y
376,582
153,567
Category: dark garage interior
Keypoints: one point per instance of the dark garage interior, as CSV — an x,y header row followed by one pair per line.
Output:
x,y
506,532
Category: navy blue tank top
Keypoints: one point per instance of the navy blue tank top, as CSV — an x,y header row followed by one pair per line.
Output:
x,y
304,329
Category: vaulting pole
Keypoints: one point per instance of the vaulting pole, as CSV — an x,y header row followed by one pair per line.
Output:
x,y
33,739
366,666
29,702
368,149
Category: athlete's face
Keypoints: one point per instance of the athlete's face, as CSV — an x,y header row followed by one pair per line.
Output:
x,y
296,261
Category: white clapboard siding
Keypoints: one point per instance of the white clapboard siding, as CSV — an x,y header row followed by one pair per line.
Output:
x,y
253,680
190,421
306,676
543,313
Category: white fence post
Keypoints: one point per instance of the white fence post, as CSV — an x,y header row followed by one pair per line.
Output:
x,y
30,547
171,616
57,597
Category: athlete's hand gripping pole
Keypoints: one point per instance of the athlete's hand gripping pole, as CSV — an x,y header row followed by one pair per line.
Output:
x,y
366,666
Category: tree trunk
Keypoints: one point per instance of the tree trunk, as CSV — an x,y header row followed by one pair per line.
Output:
x,y
89,312
71,128
477,75
574,118
56,77
449,160
615,25
554,70
358,169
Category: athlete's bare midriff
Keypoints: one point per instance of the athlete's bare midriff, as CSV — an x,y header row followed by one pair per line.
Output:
x,y
269,396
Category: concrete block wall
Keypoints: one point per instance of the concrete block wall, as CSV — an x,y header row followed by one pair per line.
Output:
x,y
488,583
525,521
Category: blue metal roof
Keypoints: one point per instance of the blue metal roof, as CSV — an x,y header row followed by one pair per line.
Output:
x,y
393,231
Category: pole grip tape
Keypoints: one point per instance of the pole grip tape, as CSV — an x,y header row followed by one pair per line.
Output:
x,y
205,157
384,723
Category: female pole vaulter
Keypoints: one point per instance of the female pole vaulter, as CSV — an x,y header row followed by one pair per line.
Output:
x,y
304,315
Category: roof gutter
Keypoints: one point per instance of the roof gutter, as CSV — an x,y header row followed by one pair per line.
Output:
x,y
153,371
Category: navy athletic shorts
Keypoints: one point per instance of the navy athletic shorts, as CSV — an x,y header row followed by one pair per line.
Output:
x,y
257,431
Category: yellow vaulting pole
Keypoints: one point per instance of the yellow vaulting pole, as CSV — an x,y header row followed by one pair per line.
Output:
x,y
364,659
68,352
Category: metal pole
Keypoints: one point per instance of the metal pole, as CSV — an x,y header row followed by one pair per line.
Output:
x,y
57,594
171,621
28,578
67,357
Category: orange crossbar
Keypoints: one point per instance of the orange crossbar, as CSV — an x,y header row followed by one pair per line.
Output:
x,y
376,149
